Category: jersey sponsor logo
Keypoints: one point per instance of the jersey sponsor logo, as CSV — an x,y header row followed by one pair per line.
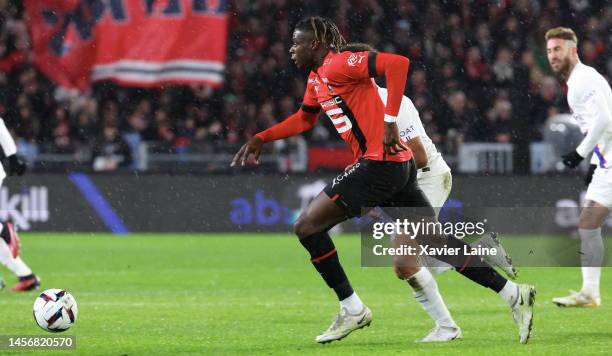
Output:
x,y
345,174
406,133
355,59
331,102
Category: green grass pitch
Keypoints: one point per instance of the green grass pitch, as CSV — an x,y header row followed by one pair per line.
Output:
x,y
248,294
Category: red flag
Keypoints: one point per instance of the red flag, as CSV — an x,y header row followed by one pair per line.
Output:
x,y
134,42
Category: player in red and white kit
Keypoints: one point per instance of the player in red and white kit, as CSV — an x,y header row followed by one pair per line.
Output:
x,y
384,173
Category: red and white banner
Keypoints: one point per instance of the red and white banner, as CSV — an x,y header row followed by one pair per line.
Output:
x,y
133,42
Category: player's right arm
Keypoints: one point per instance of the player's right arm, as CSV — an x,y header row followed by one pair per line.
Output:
x,y
16,165
596,111
418,151
303,120
406,122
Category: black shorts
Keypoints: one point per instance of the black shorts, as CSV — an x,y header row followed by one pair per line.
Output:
x,y
369,184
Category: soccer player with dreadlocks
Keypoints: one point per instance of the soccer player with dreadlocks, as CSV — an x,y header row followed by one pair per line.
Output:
x,y
384,173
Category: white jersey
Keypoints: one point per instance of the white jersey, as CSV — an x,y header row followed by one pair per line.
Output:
x,y
410,126
8,146
590,99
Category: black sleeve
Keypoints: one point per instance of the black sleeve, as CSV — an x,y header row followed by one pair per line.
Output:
x,y
311,109
372,64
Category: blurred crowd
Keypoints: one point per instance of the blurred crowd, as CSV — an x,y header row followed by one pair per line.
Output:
x,y
478,73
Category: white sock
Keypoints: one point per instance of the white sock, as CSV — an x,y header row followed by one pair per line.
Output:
x,y
353,304
19,267
16,265
426,293
591,246
510,293
5,252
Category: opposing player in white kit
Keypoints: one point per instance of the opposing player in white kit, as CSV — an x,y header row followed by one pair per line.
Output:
x,y
9,240
435,180
590,99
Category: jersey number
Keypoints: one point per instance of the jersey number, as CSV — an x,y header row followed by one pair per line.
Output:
x,y
341,122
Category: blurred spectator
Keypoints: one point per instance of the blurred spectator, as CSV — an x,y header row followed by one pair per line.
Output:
x,y
110,151
546,102
503,68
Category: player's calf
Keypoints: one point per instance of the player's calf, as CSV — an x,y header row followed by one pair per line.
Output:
x,y
9,235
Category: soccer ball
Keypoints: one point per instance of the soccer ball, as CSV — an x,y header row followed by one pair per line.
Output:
x,y
55,310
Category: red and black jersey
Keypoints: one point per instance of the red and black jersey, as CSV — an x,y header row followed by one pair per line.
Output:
x,y
344,90
342,87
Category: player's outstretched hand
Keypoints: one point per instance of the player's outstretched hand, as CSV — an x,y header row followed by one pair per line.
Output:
x,y
392,144
252,147
16,166
572,159
589,176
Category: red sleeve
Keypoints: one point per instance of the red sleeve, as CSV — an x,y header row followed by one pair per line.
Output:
x,y
362,65
348,66
395,70
303,120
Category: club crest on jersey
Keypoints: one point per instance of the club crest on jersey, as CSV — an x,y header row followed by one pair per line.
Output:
x,y
355,59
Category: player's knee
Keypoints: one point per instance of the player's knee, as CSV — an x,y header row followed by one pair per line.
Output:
x,y
588,222
303,228
405,272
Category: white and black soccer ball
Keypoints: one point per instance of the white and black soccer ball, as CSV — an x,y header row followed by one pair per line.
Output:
x,y
55,310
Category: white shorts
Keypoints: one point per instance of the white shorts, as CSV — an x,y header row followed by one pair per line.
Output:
x,y
437,189
600,189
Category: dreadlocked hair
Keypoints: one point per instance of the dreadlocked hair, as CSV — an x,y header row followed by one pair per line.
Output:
x,y
324,31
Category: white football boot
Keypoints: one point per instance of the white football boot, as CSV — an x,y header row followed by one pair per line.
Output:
x,y
578,299
442,334
501,259
344,324
522,311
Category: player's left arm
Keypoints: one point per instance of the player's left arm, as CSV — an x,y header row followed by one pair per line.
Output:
x,y
596,107
394,68
16,166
